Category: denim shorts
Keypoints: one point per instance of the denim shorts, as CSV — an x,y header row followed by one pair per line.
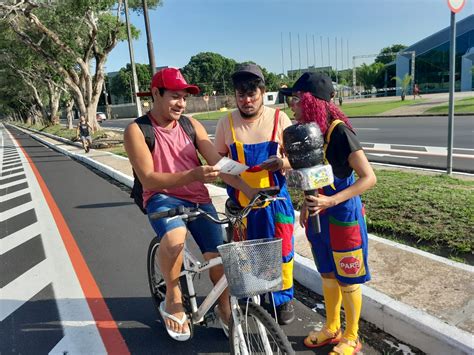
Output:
x,y
207,234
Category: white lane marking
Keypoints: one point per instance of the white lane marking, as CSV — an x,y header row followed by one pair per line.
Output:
x,y
390,151
392,156
70,299
437,150
11,195
12,175
23,288
23,235
12,183
380,146
12,212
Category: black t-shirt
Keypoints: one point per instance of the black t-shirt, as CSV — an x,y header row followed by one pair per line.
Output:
x,y
342,143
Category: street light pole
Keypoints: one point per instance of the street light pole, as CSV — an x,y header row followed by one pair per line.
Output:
x,y
132,62
151,53
106,96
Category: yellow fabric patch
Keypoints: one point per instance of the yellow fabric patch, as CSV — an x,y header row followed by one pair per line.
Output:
x,y
349,263
287,274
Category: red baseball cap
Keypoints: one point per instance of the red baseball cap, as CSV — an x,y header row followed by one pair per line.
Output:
x,y
172,79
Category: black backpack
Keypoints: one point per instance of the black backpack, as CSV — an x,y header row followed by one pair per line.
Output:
x,y
147,129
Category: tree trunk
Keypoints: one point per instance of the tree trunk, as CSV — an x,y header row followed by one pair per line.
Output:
x,y
70,113
54,97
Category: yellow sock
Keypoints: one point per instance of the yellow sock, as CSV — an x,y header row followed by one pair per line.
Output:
x,y
332,299
352,301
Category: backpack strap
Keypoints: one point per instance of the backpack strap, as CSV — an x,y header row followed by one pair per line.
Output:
x,y
145,125
188,127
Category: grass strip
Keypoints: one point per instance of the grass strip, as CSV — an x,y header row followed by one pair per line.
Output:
x,y
460,106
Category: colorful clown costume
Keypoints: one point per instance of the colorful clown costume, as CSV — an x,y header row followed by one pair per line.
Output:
x,y
275,220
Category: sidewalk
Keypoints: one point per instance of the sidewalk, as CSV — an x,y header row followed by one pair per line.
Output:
x,y
422,299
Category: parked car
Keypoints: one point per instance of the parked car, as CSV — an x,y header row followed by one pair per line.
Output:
x,y
100,116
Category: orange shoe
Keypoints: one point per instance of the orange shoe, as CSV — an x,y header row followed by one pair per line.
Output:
x,y
316,339
347,347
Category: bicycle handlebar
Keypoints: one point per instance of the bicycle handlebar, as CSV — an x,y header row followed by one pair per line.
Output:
x,y
259,199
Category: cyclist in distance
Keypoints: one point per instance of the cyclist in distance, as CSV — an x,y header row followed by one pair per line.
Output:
x,y
171,176
252,135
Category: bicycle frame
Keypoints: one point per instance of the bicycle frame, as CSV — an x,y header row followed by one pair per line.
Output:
x,y
193,266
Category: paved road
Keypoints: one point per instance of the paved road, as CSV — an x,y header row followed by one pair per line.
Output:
x,y
75,282
408,141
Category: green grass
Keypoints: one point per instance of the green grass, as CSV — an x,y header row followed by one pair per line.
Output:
x,y
460,106
430,212
215,115
373,108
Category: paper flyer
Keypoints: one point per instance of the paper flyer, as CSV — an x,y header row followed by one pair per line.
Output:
x,y
231,167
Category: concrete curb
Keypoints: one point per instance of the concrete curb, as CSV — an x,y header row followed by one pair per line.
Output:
x,y
404,322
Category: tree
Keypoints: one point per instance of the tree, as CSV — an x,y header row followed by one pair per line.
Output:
x,y
72,37
38,79
383,56
211,72
120,85
404,84
368,74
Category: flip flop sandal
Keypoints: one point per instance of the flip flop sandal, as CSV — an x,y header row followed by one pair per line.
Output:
x,y
175,335
225,327
311,341
347,347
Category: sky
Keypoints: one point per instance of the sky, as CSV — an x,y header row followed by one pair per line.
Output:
x,y
258,30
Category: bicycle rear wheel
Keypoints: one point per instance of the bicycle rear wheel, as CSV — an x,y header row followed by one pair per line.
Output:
x,y
158,286
155,277
262,334
157,283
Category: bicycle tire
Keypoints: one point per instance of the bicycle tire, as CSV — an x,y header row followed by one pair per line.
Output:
x,y
157,283
278,340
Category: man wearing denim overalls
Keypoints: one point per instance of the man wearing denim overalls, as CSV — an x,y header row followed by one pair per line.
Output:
x,y
252,135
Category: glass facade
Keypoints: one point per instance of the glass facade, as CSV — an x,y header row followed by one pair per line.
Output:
x,y
432,67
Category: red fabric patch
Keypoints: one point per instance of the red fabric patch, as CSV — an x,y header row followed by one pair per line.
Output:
x,y
344,237
284,232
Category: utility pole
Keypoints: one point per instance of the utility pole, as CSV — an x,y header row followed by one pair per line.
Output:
x,y
149,40
299,56
282,57
132,62
106,97
291,58
321,47
307,53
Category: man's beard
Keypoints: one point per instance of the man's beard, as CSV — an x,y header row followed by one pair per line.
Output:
x,y
250,115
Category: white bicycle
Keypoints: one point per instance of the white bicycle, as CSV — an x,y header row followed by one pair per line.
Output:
x,y
252,267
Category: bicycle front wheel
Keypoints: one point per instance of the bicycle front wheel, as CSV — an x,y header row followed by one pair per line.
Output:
x,y
261,334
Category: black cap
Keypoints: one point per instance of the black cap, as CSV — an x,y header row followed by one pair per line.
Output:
x,y
248,68
317,84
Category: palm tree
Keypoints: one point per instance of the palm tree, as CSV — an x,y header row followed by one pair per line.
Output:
x,y
404,84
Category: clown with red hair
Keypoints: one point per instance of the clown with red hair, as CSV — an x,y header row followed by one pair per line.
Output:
x,y
341,248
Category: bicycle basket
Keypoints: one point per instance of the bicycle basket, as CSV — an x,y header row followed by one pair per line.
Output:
x,y
252,267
